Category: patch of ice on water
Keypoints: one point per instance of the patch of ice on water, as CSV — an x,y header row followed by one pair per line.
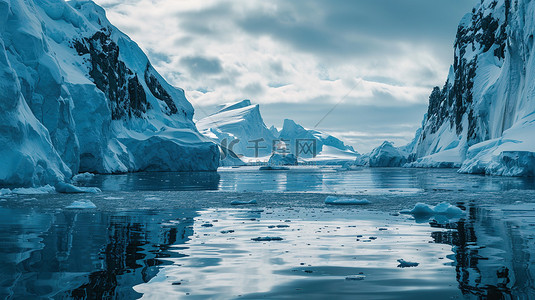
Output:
x,y
422,209
113,198
345,201
242,202
267,239
406,264
83,177
82,204
67,188
47,189
153,198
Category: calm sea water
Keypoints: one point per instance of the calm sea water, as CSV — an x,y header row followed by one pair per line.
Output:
x,y
175,235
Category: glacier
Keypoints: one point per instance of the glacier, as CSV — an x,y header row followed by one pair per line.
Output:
x,y
483,118
78,95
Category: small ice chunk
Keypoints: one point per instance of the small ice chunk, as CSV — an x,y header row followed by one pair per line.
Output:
x,y
242,202
345,201
5,192
47,189
67,188
406,264
267,239
82,204
355,277
421,209
83,177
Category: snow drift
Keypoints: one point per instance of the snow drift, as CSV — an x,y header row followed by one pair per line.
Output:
x,y
484,114
77,95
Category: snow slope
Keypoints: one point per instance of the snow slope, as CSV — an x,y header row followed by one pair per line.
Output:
x,y
78,95
484,112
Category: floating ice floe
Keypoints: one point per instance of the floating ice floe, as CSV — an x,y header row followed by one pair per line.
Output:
x,y
66,188
267,239
345,201
242,202
406,264
355,277
47,189
445,209
82,204
83,177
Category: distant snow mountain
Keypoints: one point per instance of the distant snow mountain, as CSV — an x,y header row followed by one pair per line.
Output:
x,y
240,128
484,116
78,95
324,148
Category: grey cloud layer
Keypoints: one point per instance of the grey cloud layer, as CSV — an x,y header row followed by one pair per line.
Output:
x,y
307,52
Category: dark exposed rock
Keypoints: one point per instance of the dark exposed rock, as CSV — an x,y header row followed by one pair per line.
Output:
x,y
158,91
111,75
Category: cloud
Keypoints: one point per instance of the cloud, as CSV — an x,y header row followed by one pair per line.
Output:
x,y
198,65
385,54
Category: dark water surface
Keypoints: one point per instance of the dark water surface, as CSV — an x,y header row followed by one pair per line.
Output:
x,y
149,238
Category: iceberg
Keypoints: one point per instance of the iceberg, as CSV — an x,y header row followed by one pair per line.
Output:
x,y
240,131
422,209
78,95
387,155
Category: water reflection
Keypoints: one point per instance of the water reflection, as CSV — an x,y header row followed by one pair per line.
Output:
x,y
312,179
493,259
160,181
86,255
209,253
365,180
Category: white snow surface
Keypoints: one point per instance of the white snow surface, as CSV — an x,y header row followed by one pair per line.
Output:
x,y
56,121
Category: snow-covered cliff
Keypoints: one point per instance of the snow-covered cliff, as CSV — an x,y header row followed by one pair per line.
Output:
x,y
78,95
484,116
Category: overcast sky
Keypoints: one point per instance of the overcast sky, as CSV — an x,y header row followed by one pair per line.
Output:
x,y
299,58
